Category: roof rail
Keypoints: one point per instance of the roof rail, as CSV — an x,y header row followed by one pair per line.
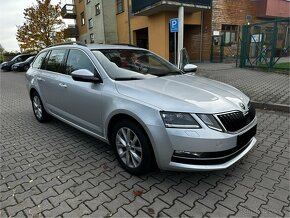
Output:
x,y
69,43
125,44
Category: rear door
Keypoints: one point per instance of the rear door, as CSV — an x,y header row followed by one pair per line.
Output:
x,y
48,79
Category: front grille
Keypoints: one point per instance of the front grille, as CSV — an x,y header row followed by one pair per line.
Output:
x,y
237,120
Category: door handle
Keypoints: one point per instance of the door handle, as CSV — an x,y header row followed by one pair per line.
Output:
x,y
39,79
62,85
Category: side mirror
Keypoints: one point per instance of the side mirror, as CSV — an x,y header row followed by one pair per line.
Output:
x,y
188,68
84,75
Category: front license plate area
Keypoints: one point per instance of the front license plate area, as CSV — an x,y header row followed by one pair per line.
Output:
x,y
246,137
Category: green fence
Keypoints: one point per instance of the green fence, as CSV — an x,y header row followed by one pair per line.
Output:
x,y
266,45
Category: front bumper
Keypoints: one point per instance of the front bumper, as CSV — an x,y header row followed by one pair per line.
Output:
x,y
221,166
5,67
218,150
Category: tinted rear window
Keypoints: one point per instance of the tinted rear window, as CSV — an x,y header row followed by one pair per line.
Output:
x,y
55,60
38,61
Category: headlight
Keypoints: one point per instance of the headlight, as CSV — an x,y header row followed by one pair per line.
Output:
x,y
179,120
210,121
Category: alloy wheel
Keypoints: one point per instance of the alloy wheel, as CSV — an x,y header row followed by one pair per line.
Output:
x,y
37,107
129,147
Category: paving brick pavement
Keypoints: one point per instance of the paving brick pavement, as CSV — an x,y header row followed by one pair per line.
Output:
x,y
262,87
50,170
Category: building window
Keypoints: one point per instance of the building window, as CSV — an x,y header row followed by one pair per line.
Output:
x,y
230,33
92,38
90,23
98,9
88,1
85,41
82,18
120,6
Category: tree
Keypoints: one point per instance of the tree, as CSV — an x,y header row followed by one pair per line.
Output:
x,y
1,53
41,21
1,48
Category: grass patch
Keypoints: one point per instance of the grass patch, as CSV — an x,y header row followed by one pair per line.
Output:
x,y
285,65
281,68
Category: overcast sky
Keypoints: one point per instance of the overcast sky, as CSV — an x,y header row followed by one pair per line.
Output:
x,y
11,15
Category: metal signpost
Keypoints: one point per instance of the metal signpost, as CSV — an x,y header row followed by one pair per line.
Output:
x,y
174,29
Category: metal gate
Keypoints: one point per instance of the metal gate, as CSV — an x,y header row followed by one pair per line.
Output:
x,y
266,45
217,49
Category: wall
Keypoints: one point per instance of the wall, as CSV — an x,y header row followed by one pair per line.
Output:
x,y
207,34
98,22
109,18
80,7
158,28
232,12
122,25
273,8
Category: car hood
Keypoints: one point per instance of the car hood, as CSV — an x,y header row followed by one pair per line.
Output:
x,y
185,93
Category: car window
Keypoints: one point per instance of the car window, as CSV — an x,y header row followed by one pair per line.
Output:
x,y
122,64
15,58
78,60
55,60
38,61
19,59
30,59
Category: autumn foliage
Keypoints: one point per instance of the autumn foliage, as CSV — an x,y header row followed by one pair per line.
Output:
x,y
41,20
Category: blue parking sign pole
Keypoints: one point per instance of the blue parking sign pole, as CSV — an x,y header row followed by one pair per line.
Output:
x,y
174,29
175,56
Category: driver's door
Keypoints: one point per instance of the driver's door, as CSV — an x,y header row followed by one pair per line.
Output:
x,y
82,101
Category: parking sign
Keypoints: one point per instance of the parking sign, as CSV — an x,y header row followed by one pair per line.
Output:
x,y
174,25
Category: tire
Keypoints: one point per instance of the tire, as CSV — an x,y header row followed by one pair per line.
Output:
x,y
132,147
25,68
39,112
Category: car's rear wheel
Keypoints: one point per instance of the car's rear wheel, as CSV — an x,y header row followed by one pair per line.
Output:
x,y
132,147
38,109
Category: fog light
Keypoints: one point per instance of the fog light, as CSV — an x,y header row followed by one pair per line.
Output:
x,y
187,154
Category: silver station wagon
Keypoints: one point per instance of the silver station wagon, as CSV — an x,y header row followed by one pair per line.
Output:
x,y
150,111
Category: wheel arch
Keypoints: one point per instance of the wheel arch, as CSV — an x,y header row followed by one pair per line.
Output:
x,y
32,90
124,116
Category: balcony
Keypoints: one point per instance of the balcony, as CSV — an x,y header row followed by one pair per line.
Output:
x,y
71,32
151,7
273,8
69,11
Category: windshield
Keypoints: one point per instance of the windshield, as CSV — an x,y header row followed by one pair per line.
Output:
x,y
16,57
130,64
30,59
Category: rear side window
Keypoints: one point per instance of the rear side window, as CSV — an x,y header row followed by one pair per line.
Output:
x,y
55,60
78,60
38,61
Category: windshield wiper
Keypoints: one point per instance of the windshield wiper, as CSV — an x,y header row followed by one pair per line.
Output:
x,y
128,78
169,74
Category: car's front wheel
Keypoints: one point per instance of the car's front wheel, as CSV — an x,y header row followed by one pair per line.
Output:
x,y
133,149
38,109
26,67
